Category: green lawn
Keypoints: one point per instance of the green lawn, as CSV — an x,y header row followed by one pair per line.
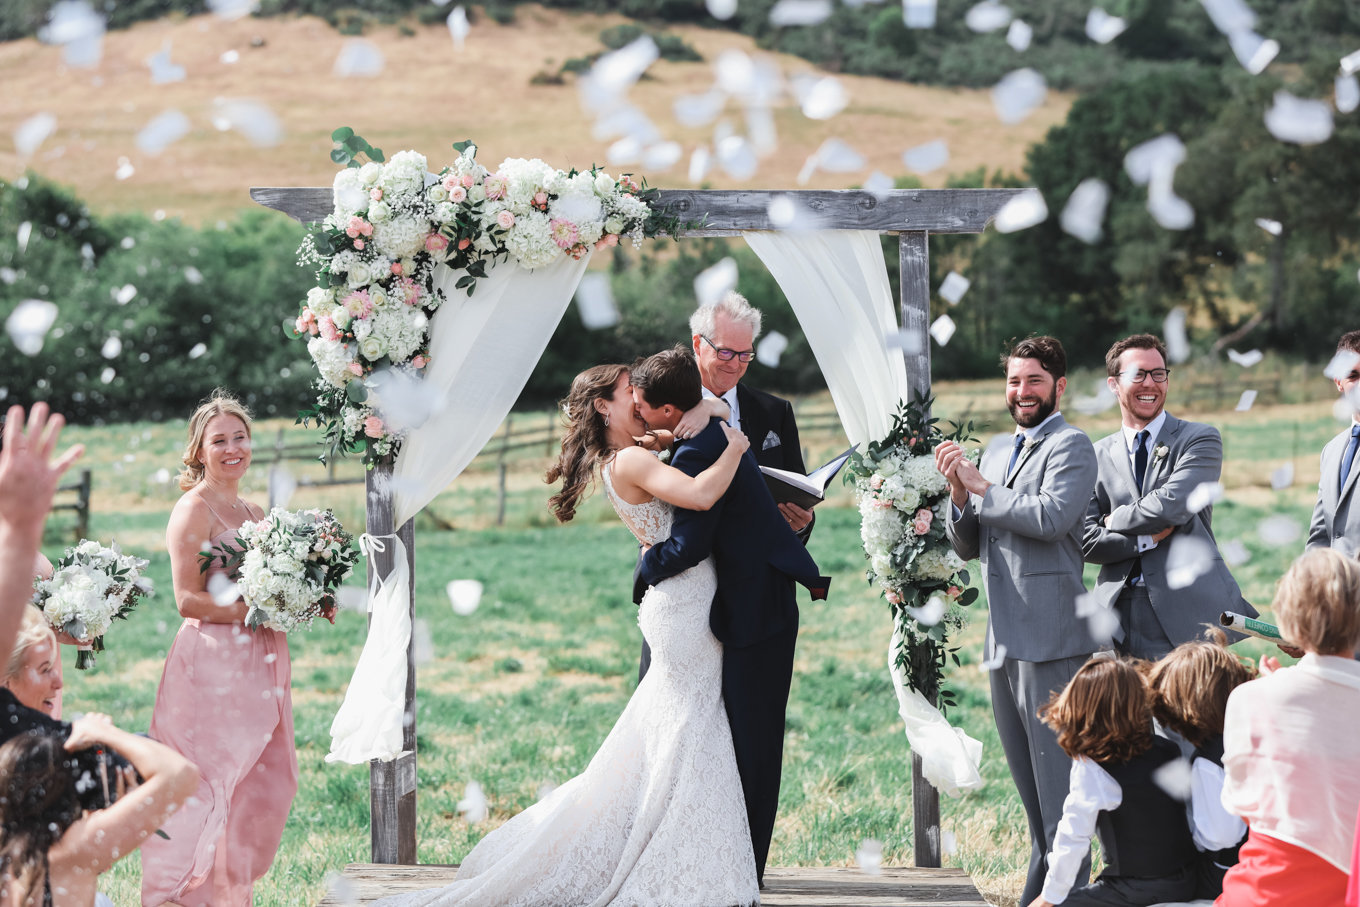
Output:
x,y
520,693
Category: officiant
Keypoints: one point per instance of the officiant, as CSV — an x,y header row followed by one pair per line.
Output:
x,y
724,335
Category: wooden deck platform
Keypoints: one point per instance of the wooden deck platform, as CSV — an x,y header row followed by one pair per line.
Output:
x,y
362,883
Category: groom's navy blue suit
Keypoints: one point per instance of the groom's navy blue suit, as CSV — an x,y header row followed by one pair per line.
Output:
x,y
755,615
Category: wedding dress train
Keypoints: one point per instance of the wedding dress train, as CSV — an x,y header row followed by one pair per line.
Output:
x,y
658,817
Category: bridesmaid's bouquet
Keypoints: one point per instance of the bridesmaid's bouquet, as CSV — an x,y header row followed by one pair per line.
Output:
x,y
289,565
91,587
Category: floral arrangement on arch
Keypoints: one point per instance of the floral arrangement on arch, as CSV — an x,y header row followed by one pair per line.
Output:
x,y
394,222
904,506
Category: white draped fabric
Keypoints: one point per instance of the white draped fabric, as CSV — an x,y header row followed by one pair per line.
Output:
x,y
482,349
837,285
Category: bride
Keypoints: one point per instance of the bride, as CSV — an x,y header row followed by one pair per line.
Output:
x,y
658,816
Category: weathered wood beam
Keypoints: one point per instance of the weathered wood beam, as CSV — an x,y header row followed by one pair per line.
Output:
x,y
729,212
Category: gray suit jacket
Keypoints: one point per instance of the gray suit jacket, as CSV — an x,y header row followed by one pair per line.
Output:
x,y
1027,532
1336,522
1194,455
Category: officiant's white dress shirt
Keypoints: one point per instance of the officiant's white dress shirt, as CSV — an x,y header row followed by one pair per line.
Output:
x,y
730,398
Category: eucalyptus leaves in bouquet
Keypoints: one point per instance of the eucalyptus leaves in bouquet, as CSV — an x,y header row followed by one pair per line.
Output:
x,y
904,507
91,587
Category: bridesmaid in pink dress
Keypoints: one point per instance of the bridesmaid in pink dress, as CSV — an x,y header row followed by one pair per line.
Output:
x,y
225,700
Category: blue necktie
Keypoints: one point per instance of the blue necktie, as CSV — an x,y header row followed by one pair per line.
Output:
x,y
1015,454
1349,456
1140,459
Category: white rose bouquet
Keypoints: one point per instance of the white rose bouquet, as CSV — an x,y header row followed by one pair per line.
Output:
x,y
288,566
91,587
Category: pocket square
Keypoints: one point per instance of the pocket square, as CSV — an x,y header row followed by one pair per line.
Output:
x,y
771,440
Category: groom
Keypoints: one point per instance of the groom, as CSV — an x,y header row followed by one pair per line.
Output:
x,y
758,559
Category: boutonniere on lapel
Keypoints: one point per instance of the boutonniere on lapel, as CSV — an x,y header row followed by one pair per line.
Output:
x,y
1160,451
1030,443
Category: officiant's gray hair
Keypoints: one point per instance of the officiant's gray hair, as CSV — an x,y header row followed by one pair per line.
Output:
x,y
732,304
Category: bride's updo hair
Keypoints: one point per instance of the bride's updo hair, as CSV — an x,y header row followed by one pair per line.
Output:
x,y
219,403
583,446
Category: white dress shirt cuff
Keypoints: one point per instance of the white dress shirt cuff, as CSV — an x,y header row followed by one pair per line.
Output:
x,y
1090,790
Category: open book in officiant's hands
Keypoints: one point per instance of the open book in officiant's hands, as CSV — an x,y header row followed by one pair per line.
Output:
x,y
805,491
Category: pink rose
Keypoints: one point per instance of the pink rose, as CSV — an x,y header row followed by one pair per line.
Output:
x,y
876,483
359,244
608,241
306,322
540,201
464,243
356,369
327,328
467,180
375,193
407,291
505,219
373,427
892,597
953,593
450,181
436,242
396,269
419,362
457,195
922,521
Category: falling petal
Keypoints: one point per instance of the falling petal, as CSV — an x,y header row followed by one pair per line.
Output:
x,y
403,400
932,612
223,591
948,843
282,485
1278,530
698,164
107,375
1282,477
909,342
124,294
616,72
823,99
252,119
8,276
233,9
1246,360
78,29
162,131
1102,625
32,132
1103,28
1234,553
1342,364
869,857
1188,561
1174,778
799,12
162,70
1299,120
835,156
1273,227
464,595
1103,400
942,329
1024,210
111,348
627,150
21,236
721,9
1245,402
1167,208
422,642
161,476
770,348
352,598
737,157
879,184
987,16
953,287
927,157
1019,35
716,281
1145,161
473,805
197,350
125,169
788,214
1253,51
1017,94
458,26
918,13
230,56
358,57
1347,96
698,109
29,323
735,72
997,660
595,302
1350,63
340,890
1229,16
1085,210
1205,494
1173,334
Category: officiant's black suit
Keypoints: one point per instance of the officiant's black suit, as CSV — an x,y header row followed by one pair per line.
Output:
x,y
755,615
767,421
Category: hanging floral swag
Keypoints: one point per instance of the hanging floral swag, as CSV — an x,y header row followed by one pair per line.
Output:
x,y
904,507
394,222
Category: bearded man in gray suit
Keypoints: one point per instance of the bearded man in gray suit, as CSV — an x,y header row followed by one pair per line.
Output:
x,y
1336,518
1021,512
1161,570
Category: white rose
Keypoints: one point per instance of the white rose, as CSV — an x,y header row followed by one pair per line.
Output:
x,y
437,193
369,173
379,212
604,184
614,224
372,348
341,317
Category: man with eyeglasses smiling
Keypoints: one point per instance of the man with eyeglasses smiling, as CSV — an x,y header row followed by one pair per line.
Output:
x,y
1160,566
724,336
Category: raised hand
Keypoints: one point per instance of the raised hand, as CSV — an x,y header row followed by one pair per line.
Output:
x,y
28,474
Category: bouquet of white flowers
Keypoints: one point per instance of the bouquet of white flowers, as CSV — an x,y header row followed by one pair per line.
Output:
x,y
288,567
91,587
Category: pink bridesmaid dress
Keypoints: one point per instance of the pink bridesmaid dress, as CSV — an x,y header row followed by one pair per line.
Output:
x,y
225,703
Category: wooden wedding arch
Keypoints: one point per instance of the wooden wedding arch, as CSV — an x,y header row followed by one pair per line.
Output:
x,y
911,214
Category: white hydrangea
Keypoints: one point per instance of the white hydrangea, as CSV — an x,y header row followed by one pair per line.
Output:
x,y
369,174
530,242
273,579
881,529
400,237
404,174
921,474
332,360
937,563
349,194
401,334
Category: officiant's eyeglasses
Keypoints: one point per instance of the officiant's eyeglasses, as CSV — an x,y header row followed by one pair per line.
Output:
x,y
727,355
1158,375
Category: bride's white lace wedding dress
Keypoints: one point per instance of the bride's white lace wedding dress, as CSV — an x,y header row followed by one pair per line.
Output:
x,y
658,816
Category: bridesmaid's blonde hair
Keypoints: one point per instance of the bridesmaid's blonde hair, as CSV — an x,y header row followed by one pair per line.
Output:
x,y
219,403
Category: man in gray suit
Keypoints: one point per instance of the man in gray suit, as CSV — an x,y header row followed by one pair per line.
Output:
x,y
1160,566
1021,512
1336,519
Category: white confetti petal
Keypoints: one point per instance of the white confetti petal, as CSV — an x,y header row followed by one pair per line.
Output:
x,y
1174,778
698,109
770,348
1273,227
1347,97
457,22
1102,625
252,119
721,9
193,275
879,184
1230,16
869,857
1350,63
282,485
760,129
125,169
942,329
545,790
790,215
1342,364
473,805
352,598
197,350
1188,561
79,30
1024,210
111,348
1145,161
1019,35
404,401
22,235
737,158
953,287
233,9
1247,359
1203,495
32,132
987,16
699,164
616,72
927,157
161,476
1299,120
823,99
107,375
918,13
930,614
1253,51
223,591
124,294
1246,401
595,302
161,132
464,595
997,660
627,150
661,157
1173,334
163,70
1282,477
1167,208
909,342
715,281
8,276
1018,94
948,843
1103,28
1278,530
358,57
799,12
1103,400
230,56
1234,552
1085,210
29,323
422,642
340,890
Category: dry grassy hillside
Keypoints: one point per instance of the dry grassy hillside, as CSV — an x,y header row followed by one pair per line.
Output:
x,y
428,95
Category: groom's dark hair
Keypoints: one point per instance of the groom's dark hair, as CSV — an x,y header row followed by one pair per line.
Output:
x,y
670,376
1047,350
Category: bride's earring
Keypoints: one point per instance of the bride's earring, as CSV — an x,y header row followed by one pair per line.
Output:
x,y
606,419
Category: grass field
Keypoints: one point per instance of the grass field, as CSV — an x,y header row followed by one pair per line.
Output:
x,y
520,693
